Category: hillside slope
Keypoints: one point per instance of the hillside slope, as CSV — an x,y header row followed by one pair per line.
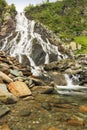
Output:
x,y
7,18
67,19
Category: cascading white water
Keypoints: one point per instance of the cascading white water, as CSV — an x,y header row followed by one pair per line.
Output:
x,y
70,89
23,46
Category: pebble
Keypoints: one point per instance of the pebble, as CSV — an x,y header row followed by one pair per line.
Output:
x,y
3,110
4,127
75,121
24,113
83,108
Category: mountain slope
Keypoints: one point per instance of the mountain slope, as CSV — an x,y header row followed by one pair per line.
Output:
x,y
66,18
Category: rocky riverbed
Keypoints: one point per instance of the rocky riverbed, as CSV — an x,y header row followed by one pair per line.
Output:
x,y
32,103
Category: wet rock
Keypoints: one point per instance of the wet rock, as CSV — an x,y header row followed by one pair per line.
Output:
x,y
58,78
16,73
76,121
19,89
10,99
3,110
43,89
83,108
25,60
5,77
5,127
46,106
37,81
6,96
51,66
4,68
38,54
52,57
70,71
3,89
48,90
24,113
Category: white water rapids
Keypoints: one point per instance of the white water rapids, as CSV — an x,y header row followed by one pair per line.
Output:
x,y
71,89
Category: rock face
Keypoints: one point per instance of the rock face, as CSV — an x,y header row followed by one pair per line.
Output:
x,y
38,54
8,26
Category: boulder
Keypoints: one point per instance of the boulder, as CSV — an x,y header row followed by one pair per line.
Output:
x,y
4,68
36,81
5,77
43,89
38,54
51,66
19,89
6,96
58,78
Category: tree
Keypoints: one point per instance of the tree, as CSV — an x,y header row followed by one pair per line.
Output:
x,y
12,10
2,5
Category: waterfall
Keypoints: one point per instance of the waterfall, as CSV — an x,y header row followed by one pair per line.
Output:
x,y
22,44
71,89
26,42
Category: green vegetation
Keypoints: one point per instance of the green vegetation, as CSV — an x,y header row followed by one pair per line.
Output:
x,y
83,41
6,10
67,18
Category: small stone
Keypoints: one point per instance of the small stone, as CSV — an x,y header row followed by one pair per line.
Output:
x,y
24,113
76,121
11,99
16,73
83,108
3,110
4,127
28,98
48,90
46,106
